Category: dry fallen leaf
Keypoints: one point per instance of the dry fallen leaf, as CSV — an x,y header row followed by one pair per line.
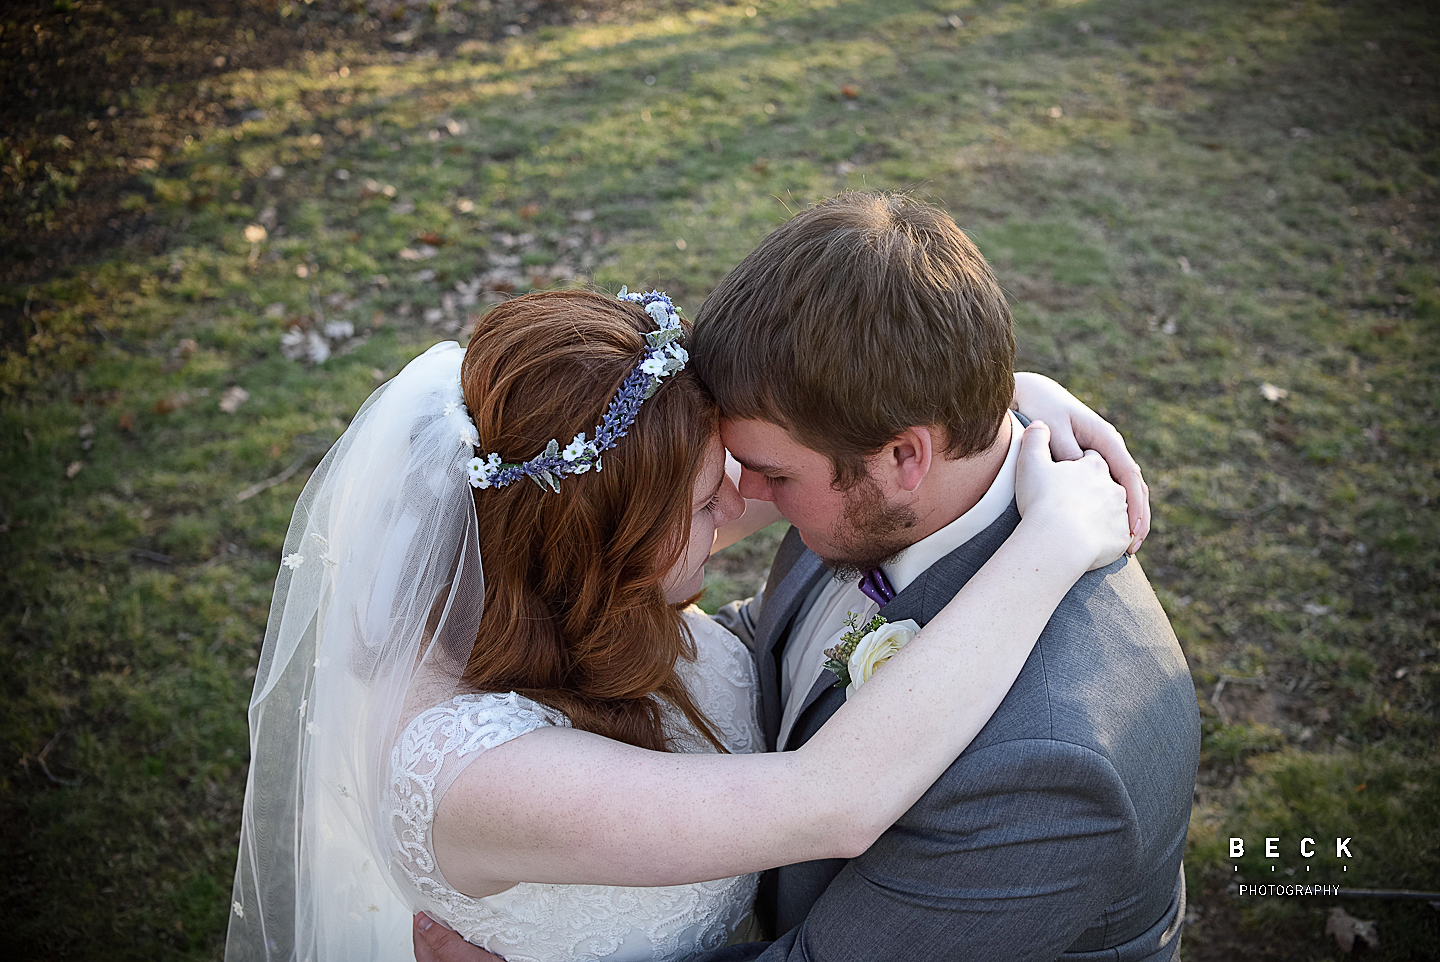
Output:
x,y
529,211
298,344
233,397
1346,929
850,91
1272,393
126,422
173,401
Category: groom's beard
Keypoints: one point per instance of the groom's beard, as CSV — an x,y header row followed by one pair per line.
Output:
x,y
871,532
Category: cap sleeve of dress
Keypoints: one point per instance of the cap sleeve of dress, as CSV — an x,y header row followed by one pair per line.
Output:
x,y
431,752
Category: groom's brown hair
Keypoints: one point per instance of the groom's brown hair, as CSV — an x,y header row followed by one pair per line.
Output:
x,y
865,315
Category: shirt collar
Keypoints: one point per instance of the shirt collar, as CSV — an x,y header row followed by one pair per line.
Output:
x,y
913,561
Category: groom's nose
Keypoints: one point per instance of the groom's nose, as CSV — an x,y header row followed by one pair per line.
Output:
x,y
753,485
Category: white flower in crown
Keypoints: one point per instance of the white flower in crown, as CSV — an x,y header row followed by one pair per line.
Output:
x,y
576,449
480,471
678,353
654,366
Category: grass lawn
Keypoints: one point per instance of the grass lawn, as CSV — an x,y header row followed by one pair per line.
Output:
x,y
1216,222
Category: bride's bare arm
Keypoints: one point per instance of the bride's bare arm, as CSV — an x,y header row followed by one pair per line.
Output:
x,y
565,806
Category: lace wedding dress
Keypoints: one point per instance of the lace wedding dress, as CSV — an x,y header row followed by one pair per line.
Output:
x,y
533,922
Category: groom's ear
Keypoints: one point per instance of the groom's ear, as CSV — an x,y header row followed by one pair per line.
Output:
x,y
906,459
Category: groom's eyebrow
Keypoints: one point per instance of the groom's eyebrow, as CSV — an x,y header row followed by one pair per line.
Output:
x,y
759,467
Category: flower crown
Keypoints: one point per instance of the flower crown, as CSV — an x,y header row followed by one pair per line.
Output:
x,y
663,357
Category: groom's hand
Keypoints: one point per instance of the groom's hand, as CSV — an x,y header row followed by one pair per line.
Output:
x,y
435,943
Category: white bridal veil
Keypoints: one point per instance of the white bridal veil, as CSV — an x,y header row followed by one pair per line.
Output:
x,y
376,606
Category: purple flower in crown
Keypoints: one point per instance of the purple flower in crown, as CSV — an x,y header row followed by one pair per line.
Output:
x,y
663,357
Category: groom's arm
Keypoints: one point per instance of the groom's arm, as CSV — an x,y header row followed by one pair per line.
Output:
x,y
1011,855
740,617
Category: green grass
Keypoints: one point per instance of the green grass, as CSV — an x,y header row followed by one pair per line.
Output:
x,y
1185,202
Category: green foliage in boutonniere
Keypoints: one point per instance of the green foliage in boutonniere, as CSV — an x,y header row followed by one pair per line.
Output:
x,y
839,656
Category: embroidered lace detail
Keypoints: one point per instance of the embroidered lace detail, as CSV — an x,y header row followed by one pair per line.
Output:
x,y
722,684
533,922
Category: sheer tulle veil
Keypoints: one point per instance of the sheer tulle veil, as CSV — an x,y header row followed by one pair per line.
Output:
x,y
377,603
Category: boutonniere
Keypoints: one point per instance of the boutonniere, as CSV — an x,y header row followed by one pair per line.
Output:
x,y
865,647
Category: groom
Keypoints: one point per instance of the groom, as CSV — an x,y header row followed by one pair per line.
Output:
x,y
862,358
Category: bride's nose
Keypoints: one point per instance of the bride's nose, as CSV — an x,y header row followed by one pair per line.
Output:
x,y
732,505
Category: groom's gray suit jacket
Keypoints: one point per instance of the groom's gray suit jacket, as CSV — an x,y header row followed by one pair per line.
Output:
x,y
1057,834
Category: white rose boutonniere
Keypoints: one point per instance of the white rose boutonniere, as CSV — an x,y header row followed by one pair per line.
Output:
x,y
864,648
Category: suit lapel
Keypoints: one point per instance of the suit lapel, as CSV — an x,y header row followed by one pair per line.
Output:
x,y
824,683
793,575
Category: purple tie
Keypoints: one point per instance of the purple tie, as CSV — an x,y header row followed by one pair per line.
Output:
x,y
876,587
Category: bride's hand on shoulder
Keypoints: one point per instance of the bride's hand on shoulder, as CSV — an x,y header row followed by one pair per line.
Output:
x,y
1074,428
1077,504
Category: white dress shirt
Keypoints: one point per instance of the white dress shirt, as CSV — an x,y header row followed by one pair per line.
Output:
x,y
822,626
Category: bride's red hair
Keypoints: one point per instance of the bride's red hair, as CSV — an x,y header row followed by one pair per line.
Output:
x,y
575,616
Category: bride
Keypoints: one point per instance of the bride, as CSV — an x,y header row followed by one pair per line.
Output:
x,y
579,774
